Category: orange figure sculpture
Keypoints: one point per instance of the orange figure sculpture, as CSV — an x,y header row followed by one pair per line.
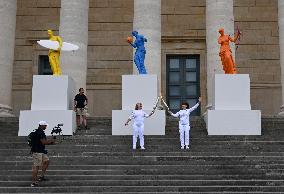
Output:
x,y
225,52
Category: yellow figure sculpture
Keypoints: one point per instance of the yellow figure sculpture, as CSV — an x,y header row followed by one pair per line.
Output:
x,y
54,55
225,52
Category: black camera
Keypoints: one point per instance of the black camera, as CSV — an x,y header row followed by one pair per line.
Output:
x,y
57,129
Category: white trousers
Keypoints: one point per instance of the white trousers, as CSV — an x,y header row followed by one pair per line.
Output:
x,y
184,134
138,130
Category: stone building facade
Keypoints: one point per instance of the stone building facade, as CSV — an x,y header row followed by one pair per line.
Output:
x,y
184,26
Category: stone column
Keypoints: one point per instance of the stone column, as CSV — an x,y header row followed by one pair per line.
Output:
x,y
8,11
74,29
147,21
281,46
219,13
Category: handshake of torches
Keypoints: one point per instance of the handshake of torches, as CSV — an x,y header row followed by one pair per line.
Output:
x,y
162,102
165,104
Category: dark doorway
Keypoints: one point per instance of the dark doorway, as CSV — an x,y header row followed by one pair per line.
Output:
x,y
43,65
183,81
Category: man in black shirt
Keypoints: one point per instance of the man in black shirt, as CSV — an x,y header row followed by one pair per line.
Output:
x,y
40,158
80,102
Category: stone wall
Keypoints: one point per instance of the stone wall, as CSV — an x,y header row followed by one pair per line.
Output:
x,y
109,55
258,53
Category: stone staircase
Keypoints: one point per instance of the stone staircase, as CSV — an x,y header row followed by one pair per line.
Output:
x,y
94,161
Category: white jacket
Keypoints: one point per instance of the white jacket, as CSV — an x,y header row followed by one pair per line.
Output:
x,y
184,115
138,116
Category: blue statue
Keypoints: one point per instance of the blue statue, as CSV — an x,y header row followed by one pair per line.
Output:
x,y
140,51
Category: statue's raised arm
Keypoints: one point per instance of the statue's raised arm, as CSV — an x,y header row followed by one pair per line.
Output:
x,y
59,40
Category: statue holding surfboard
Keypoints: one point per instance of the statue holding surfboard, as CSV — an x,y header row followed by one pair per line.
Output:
x,y
55,46
54,55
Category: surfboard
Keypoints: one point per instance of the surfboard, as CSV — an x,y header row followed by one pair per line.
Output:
x,y
66,46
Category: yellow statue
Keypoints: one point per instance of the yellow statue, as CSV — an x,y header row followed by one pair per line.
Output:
x,y
54,55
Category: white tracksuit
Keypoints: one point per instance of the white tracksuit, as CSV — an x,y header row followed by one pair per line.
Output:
x,y
184,124
138,126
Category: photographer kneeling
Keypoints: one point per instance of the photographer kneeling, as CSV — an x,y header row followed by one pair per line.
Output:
x,y
40,158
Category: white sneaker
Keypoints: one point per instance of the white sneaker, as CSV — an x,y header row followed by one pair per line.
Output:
x,y
186,147
182,147
142,148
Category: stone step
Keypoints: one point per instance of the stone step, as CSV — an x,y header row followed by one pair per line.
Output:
x,y
217,177
20,157
148,160
172,168
273,133
136,189
244,172
88,137
152,147
151,140
140,153
84,167
147,183
164,192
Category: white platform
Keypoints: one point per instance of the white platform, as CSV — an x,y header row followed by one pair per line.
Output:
x,y
52,101
154,125
231,92
52,92
234,122
29,121
144,89
231,113
139,88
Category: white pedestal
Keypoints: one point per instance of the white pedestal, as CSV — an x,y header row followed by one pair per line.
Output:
x,y
154,125
231,92
29,121
233,122
144,89
232,114
52,92
139,88
52,99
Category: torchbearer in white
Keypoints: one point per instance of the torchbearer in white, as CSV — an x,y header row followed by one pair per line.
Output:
x,y
138,125
184,124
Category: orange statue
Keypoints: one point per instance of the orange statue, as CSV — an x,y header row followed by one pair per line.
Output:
x,y
225,52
